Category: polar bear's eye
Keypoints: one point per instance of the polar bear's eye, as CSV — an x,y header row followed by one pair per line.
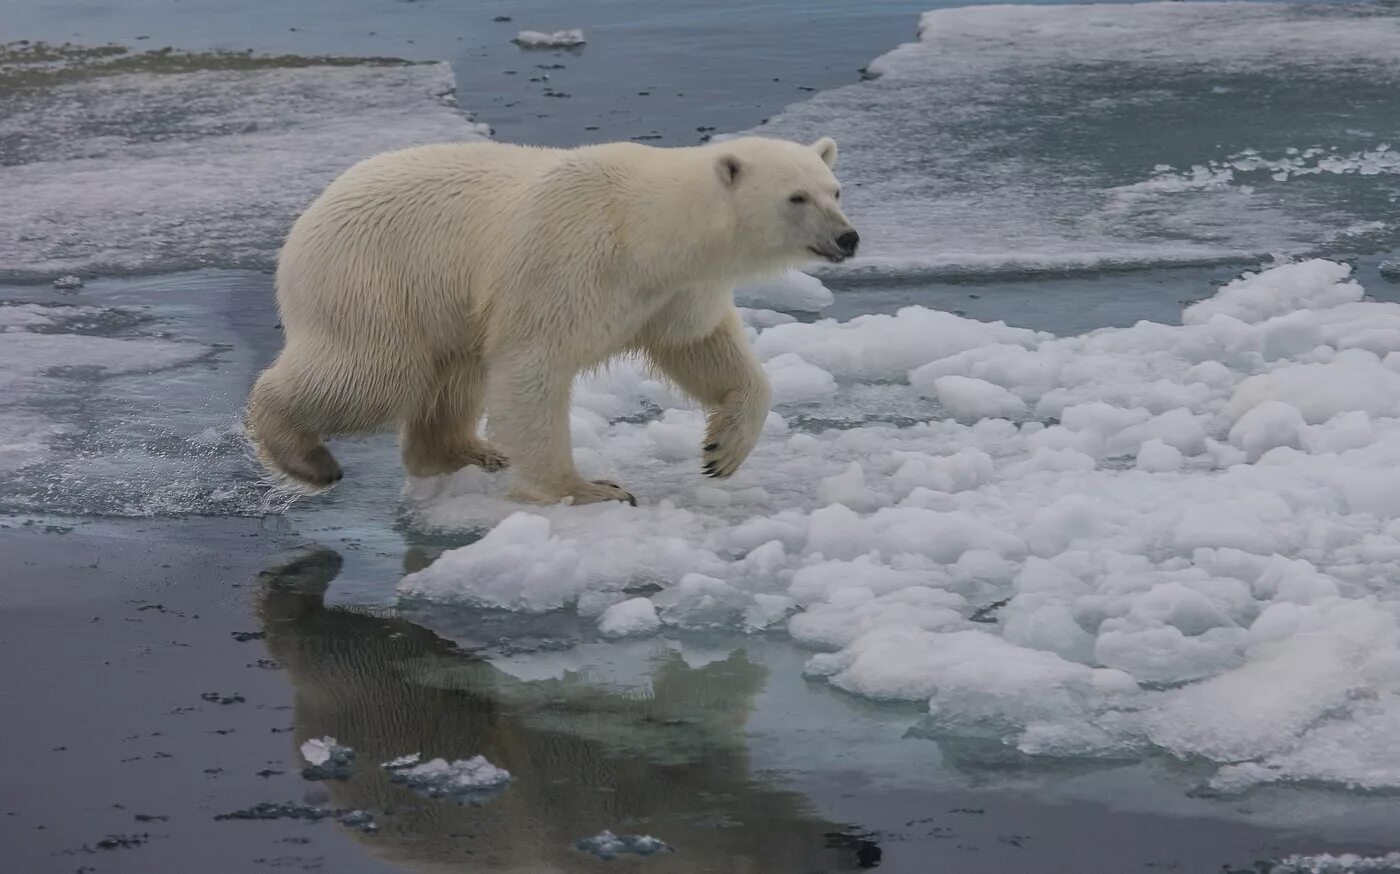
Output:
x,y
836,194
798,198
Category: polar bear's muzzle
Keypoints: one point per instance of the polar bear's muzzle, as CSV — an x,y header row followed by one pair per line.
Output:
x,y
839,249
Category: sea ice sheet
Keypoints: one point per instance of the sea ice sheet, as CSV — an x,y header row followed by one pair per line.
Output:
x,y
1191,531
198,162
127,409
43,349
1035,138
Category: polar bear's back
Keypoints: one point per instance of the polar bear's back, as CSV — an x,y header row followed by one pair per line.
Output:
x,y
411,237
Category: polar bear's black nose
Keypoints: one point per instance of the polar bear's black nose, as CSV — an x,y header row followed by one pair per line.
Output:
x,y
847,242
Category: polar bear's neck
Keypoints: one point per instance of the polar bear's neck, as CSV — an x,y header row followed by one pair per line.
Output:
x,y
674,221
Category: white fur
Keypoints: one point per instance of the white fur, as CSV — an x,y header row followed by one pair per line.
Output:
x,y
428,285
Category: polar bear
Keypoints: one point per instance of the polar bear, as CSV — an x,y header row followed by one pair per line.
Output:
x,y
428,286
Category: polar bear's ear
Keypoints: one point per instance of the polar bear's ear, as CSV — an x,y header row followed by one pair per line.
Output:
x,y
728,168
826,148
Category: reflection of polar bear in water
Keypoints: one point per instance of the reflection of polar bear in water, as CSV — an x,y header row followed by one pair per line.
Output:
x,y
426,286
672,764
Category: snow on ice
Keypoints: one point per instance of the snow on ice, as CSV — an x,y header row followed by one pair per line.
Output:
x,y
1192,530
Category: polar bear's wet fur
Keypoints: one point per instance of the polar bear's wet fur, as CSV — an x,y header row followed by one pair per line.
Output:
x,y
428,286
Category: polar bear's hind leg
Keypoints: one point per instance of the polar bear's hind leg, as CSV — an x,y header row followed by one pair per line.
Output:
x,y
304,397
442,436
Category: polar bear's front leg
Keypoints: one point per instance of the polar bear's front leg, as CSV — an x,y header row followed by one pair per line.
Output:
x,y
527,407
722,373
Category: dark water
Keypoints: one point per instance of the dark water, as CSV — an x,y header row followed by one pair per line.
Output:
x,y
197,656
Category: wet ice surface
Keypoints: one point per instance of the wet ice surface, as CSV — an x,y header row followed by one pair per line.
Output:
x,y
183,161
1078,137
124,399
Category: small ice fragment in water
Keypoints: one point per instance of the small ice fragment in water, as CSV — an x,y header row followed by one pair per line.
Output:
x,y
328,760
360,819
467,781
560,39
636,616
271,810
68,281
403,761
606,845
122,842
317,750
1390,269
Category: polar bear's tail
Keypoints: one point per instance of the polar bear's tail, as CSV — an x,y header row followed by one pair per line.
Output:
x,y
289,451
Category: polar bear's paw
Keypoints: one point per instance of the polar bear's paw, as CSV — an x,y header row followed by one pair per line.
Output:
x,y
600,490
424,459
732,433
581,492
482,455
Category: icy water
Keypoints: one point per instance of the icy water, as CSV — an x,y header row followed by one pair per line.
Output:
x,y
1013,582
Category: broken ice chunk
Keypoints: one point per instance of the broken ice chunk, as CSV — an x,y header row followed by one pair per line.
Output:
x,y
559,39
606,845
466,781
327,759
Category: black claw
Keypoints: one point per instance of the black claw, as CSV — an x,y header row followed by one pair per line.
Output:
x,y
631,500
709,468
712,447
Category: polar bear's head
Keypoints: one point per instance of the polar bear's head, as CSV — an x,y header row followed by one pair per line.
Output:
x,y
787,202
